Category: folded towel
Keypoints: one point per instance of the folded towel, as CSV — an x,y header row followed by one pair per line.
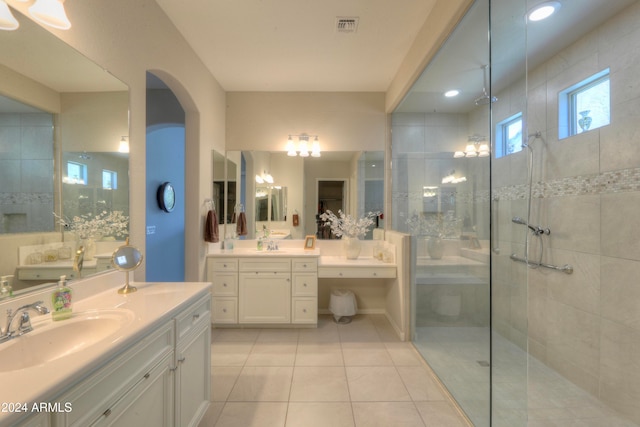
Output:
x,y
241,227
211,234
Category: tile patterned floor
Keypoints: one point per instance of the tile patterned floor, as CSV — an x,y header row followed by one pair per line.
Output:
x,y
353,375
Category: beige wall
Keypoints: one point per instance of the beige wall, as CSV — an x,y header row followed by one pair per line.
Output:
x,y
587,191
344,121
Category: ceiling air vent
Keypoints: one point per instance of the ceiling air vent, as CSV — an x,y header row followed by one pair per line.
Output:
x,y
347,24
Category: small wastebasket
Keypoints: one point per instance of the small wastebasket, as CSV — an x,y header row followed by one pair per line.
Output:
x,y
342,304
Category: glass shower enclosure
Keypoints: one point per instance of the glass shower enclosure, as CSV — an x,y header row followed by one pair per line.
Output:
x,y
524,317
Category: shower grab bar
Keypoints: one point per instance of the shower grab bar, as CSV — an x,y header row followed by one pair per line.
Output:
x,y
565,268
494,227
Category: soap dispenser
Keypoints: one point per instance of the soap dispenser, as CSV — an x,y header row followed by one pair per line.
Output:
x,y
61,300
6,290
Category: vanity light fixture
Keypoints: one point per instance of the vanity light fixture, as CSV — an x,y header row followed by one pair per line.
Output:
x,y
51,13
47,12
477,147
123,147
265,177
303,146
543,10
8,22
452,179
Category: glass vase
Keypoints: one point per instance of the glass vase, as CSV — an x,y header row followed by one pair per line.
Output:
x,y
435,247
89,244
351,246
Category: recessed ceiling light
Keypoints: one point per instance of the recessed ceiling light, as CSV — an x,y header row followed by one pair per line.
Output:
x,y
451,93
543,10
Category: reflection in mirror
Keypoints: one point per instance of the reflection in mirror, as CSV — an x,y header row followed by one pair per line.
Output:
x,y
271,199
67,105
94,182
294,206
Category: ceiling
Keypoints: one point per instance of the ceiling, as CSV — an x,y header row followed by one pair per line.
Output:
x,y
458,65
293,45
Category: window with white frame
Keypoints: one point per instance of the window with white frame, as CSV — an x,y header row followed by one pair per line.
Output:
x,y
509,135
585,106
76,173
109,180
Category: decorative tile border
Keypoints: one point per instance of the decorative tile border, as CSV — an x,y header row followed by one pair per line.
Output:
x,y
25,198
604,183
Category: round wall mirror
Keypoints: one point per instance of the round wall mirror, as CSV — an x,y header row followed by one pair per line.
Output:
x,y
126,258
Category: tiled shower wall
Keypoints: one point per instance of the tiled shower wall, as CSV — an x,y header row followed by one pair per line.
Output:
x,y
26,172
586,190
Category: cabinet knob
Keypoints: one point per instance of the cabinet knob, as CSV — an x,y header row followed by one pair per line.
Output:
x,y
224,284
182,359
304,265
304,310
224,310
340,273
305,285
375,274
224,265
196,316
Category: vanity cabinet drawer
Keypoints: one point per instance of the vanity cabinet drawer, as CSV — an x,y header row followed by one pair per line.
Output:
x,y
357,272
198,313
102,390
225,310
227,264
305,285
225,285
305,310
265,265
303,265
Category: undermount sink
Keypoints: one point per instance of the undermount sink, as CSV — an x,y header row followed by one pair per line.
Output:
x,y
51,340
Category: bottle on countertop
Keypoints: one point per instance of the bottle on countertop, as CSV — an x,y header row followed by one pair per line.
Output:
x,y
6,290
61,300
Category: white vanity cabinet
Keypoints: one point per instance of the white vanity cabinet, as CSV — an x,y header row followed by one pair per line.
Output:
x,y
265,289
304,301
192,363
163,380
223,275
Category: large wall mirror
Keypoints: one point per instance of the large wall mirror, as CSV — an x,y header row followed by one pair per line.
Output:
x,y
282,195
62,121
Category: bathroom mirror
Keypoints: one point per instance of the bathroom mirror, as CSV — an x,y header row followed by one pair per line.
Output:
x,y
364,170
41,76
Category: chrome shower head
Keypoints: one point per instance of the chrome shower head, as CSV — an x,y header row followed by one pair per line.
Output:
x,y
518,220
485,98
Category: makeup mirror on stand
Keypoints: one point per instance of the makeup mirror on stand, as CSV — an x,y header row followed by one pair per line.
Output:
x,y
126,258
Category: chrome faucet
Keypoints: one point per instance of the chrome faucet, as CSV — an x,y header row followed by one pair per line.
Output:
x,y
25,321
272,245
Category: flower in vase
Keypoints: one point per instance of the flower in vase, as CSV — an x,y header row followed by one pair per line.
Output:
x,y
346,225
95,226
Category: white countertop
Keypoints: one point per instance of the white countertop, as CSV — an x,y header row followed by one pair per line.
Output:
x,y
252,252
360,262
42,383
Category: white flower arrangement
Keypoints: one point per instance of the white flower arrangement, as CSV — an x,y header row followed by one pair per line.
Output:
x,y
435,225
346,225
103,224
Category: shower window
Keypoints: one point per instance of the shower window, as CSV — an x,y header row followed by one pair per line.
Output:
x,y
509,135
109,180
76,173
585,106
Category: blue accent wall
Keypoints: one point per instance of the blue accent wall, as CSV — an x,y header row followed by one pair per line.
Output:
x,y
165,231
